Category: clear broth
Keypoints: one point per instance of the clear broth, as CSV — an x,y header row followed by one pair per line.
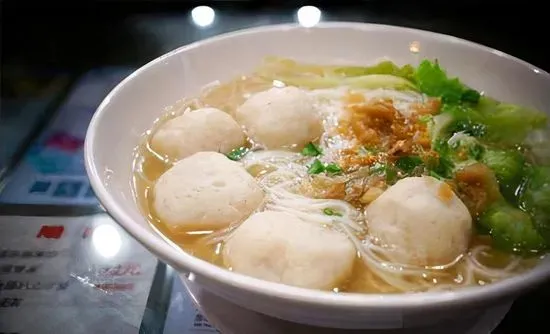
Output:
x,y
148,168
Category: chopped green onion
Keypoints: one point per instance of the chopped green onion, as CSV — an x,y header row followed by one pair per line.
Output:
x,y
425,118
331,212
378,168
408,163
391,175
333,168
384,169
316,167
312,150
238,153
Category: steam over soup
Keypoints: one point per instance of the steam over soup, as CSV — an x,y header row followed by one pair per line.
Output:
x,y
378,179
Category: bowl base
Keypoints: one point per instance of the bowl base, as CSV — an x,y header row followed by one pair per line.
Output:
x,y
230,318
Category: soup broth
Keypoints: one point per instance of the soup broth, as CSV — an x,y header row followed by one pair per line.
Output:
x,y
370,131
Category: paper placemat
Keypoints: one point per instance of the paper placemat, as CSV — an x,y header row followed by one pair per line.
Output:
x,y
52,170
183,317
75,275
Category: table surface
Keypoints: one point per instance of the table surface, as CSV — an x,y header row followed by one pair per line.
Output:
x,y
48,49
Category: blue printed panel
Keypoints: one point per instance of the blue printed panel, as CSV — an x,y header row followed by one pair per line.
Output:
x,y
40,187
67,189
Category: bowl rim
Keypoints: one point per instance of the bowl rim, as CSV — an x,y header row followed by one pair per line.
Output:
x,y
186,262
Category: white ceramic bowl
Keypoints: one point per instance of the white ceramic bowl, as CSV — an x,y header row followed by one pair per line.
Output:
x,y
131,107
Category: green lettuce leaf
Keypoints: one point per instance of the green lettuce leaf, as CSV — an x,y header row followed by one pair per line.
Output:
x,y
507,123
511,229
492,122
536,199
384,67
432,80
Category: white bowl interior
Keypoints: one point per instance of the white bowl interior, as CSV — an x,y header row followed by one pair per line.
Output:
x,y
133,106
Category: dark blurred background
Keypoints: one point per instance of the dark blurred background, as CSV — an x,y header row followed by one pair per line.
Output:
x,y
47,45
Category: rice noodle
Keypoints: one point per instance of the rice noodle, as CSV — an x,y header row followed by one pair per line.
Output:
x,y
490,273
282,196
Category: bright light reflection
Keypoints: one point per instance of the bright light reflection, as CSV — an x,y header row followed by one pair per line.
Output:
x,y
200,232
414,47
203,16
106,240
278,84
308,16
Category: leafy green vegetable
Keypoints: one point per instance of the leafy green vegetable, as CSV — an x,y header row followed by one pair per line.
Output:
x,y
382,75
536,199
455,153
491,121
508,123
312,150
385,169
511,229
408,163
470,127
316,167
437,127
433,81
508,166
476,151
462,142
455,119
385,67
333,168
443,166
331,212
462,118
537,143
481,229
238,153
391,175
470,95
